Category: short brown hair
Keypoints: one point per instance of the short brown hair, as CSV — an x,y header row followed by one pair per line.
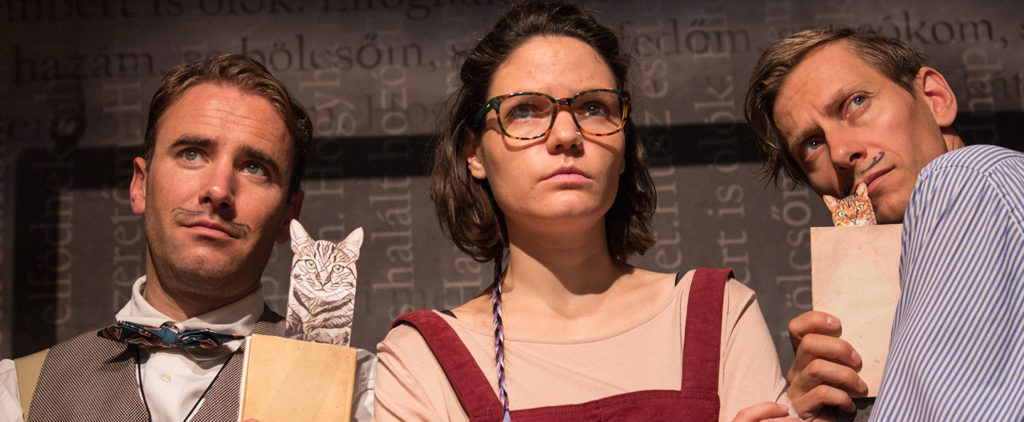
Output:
x,y
889,56
465,206
248,75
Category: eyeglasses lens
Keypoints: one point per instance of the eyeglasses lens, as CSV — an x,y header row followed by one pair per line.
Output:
x,y
530,115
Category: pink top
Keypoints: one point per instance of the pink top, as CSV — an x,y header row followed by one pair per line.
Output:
x,y
411,384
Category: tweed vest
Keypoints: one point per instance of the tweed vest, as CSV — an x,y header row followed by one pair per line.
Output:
x,y
88,378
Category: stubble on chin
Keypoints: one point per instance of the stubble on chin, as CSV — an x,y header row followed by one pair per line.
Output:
x,y
202,270
890,212
207,279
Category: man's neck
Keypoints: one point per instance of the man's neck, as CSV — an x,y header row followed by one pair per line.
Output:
x,y
953,140
182,305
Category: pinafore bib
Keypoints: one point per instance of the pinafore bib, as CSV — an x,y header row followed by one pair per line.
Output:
x,y
697,400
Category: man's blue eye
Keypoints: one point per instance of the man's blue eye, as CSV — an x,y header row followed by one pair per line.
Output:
x,y
254,169
859,100
190,155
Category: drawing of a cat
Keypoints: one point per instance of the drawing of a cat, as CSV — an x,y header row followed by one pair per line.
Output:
x,y
854,210
321,300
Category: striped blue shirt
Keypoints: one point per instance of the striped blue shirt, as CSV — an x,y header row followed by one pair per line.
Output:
x,y
957,346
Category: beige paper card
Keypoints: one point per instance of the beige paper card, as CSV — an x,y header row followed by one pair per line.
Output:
x,y
294,380
855,276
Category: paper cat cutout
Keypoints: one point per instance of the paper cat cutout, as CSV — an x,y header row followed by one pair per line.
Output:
x,y
854,210
322,295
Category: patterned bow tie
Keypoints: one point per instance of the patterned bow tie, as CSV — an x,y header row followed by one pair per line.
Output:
x,y
148,336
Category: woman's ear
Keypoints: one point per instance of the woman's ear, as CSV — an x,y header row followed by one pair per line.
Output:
x,y
938,94
475,156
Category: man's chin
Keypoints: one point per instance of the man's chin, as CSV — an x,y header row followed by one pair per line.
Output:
x,y
889,220
208,266
889,214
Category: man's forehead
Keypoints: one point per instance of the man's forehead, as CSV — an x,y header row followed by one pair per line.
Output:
x,y
218,111
218,101
812,70
819,83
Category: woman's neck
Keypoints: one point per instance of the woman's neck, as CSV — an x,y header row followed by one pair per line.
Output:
x,y
568,274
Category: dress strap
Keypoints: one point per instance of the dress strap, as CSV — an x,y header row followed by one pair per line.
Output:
x,y
702,348
470,385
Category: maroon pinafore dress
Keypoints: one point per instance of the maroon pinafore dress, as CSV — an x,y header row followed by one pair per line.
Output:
x,y
697,400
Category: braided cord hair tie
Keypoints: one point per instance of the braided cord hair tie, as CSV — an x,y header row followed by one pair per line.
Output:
x,y
499,339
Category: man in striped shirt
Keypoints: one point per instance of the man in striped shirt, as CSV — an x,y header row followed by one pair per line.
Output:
x,y
837,107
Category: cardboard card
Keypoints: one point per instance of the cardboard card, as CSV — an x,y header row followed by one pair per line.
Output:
x,y
293,380
322,288
855,276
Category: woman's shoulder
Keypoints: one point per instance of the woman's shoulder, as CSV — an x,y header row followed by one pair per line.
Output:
x,y
732,285
657,280
477,313
410,383
403,337
736,296
408,336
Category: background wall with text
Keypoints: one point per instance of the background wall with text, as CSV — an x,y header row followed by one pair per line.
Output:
x,y
76,77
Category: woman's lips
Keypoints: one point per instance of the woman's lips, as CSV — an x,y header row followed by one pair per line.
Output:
x,y
567,175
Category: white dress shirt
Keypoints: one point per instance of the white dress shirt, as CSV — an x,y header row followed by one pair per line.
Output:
x,y
174,380
10,401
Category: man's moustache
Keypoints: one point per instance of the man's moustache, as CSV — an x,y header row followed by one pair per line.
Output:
x,y
874,162
188,217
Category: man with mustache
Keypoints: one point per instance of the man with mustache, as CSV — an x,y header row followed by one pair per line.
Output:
x,y
226,147
837,107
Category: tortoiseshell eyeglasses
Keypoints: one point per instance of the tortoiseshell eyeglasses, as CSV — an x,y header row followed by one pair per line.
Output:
x,y
531,115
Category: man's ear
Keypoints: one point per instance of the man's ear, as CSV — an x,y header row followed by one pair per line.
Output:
x,y
137,190
292,211
475,156
938,94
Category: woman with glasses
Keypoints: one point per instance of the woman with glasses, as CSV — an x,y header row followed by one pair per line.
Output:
x,y
540,163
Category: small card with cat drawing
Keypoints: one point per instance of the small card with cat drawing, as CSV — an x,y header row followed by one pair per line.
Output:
x,y
309,374
855,276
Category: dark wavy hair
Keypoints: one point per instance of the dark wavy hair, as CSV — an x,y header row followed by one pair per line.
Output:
x,y
251,77
890,56
465,206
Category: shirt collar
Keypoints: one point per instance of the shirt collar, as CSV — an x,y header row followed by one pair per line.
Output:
x,y
238,317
